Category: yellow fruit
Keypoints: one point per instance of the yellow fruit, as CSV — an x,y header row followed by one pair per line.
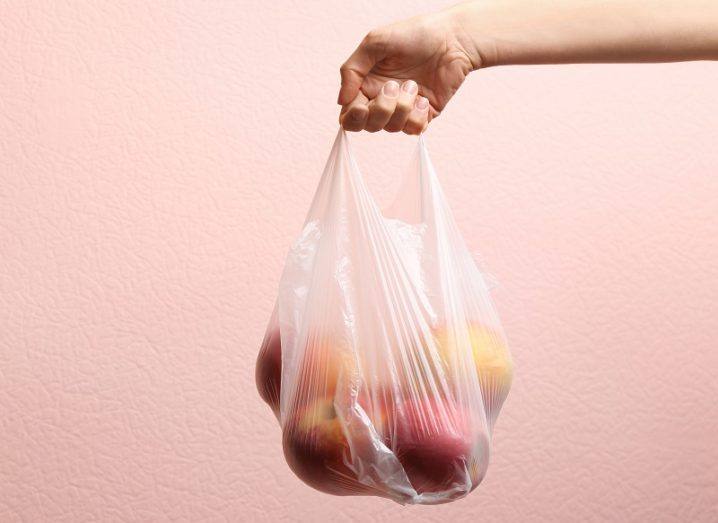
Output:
x,y
491,357
490,352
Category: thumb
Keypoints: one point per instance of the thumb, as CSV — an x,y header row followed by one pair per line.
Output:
x,y
357,66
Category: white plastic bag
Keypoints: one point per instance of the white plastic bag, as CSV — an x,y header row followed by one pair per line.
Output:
x,y
384,360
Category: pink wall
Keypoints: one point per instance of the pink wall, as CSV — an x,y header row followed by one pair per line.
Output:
x,y
156,159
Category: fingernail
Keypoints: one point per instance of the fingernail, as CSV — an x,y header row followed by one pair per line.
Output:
x,y
422,103
391,88
410,87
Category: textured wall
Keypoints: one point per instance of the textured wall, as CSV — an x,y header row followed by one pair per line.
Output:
x,y
156,160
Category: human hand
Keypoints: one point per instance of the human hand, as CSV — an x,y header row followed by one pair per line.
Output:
x,y
402,75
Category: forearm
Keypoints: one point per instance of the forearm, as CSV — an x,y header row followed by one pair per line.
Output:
x,y
507,32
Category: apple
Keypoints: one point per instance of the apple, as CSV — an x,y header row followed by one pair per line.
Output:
x,y
268,371
441,447
492,359
315,445
317,450
324,361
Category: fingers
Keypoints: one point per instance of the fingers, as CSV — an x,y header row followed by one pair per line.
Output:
x,y
358,66
354,116
382,107
396,108
418,118
404,105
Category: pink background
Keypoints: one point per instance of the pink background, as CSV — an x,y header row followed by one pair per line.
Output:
x,y
157,159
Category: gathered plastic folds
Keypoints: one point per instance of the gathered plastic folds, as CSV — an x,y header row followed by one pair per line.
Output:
x,y
384,360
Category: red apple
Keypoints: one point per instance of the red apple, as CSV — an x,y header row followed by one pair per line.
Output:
x,y
268,372
325,359
440,445
316,450
315,445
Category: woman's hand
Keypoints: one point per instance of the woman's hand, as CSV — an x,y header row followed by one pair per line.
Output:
x,y
402,75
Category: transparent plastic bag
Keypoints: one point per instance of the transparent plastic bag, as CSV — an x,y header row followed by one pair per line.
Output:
x,y
384,360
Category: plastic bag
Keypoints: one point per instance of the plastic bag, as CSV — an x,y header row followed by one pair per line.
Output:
x,y
384,359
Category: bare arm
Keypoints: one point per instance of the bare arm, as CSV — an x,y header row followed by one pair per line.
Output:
x,y
569,31
403,75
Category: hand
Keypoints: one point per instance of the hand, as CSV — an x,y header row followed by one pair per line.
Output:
x,y
402,75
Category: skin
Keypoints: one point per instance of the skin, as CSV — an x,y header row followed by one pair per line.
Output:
x,y
402,75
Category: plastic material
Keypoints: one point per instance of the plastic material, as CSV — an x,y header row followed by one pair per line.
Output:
x,y
384,360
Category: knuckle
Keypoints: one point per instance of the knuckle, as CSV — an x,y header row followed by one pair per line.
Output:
x,y
354,120
358,110
372,125
347,70
374,39
382,110
403,106
415,121
395,124
413,127
371,37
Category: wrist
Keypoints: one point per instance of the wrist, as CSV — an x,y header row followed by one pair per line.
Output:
x,y
467,23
